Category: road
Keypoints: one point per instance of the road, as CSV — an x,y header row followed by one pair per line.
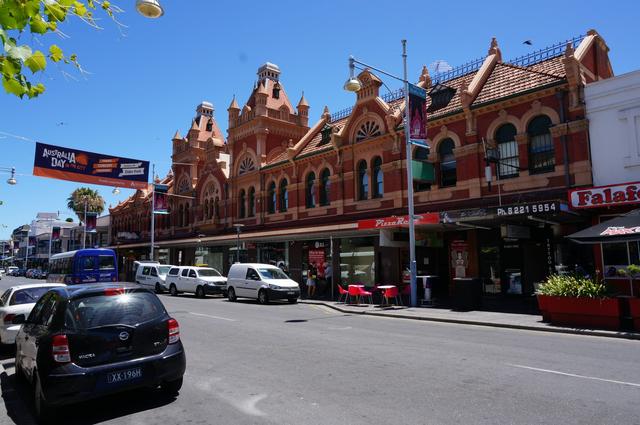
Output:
x,y
303,364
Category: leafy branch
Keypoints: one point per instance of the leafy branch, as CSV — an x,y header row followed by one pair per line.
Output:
x,y
40,17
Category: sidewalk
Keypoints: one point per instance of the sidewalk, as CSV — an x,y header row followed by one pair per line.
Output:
x,y
478,318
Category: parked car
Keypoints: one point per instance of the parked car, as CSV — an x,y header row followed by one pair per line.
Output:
x,y
263,282
21,272
15,301
201,281
11,269
153,275
85,341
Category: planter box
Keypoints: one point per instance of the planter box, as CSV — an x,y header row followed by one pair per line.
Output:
x,y
582,312
543,306
634,310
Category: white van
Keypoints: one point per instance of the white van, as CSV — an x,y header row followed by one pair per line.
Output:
x,y
153,275
263,282
201,281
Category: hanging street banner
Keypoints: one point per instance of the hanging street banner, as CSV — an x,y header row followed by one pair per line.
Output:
x,y
55,233
161,202
88,167
91,222
417,114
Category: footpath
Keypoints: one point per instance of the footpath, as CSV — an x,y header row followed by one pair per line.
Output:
x,y
478,318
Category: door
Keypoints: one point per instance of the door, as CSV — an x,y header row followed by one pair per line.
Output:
x,y
252,283
143,278
183,280
193,280
34,330
153,277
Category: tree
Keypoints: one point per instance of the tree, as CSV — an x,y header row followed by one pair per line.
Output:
x,y
76,202
39,17
69,220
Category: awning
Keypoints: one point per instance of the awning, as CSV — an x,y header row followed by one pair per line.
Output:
x,y
625,228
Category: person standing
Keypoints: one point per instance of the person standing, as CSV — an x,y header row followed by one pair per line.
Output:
x,y
311,281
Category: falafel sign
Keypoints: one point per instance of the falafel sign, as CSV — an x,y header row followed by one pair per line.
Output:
x,y
75,165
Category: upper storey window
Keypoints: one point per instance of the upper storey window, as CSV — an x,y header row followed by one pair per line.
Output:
x,y
368,130
508,150
541,151
246,166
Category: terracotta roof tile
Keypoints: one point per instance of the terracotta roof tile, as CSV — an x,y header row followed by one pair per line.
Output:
x,y
315,144
552,66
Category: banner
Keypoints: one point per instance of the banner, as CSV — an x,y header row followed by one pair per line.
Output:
x,y
55,233
91,222
87,167
417,113
161,202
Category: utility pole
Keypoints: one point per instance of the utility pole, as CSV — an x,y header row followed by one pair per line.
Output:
x,y
153,212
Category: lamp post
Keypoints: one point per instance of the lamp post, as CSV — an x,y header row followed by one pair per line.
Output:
x,y
354,85
12,178
238,227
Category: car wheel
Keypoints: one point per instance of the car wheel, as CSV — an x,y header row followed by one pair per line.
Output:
x,y
171,387
225,294
199,292
43,412
158,288
173,290
292,300
231,294
263,298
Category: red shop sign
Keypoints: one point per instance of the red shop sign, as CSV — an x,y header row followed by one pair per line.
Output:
x,y
605,196
398,221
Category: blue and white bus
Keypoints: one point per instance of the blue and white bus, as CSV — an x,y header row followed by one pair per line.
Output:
x,y
83,266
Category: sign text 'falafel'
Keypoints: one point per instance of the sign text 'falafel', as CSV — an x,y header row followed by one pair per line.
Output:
x,y
605,196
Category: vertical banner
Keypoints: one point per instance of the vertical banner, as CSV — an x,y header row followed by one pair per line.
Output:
x,y
417,113
55,233
161,202
91,222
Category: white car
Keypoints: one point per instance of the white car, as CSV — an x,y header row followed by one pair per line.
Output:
x,y
19,300
201,281
263,282
153,275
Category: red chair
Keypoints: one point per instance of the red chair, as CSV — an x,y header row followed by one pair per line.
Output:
x,y
342,292
365,293
353,291
392,293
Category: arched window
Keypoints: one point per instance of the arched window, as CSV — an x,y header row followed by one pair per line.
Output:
x,y
310,190
271,198
378,177
508,150
246,166
284,196
368,130
325,184
181,216
186,215
241,204
363,180
205,213
447,163
252,202
541,152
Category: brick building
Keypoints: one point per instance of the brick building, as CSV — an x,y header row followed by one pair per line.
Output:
x,y
307,191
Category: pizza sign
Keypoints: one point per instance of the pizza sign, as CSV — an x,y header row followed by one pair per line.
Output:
x,y
605,196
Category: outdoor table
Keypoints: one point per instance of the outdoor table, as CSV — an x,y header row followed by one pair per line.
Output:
x,y
385,287
358,296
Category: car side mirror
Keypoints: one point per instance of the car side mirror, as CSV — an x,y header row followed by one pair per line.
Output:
x,y
19,319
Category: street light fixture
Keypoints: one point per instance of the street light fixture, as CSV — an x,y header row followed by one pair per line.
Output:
x,y
354,85
116,191
238,227
11,180
149,8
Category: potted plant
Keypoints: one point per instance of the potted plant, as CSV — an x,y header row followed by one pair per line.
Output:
x,y
578,301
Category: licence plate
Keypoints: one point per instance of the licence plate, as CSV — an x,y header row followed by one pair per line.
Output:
x,y
124,375
290,293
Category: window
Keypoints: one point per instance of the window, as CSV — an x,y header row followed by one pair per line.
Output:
x,y
541,152
363,180
421,154
106,262
216,207
210,125
246,166
174,271
252,202
276,91
325,134
310,190
378,177
28,296
145,271
185,273
154,272
368,130
508,150
325,184
252,275
88,263
271,198
284,196
447,163
241,204
192,273
128,309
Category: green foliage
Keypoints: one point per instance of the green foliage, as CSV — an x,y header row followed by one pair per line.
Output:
x,y
69,220
75,202
633,270
38,17
573,286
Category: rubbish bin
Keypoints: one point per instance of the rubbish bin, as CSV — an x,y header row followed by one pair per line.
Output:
x,y
467,293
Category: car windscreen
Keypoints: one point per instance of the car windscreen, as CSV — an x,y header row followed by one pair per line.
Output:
x,y
164,269
121,308
208,273
28,295
272,273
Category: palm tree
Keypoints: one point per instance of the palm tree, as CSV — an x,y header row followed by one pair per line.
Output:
x,y
76,202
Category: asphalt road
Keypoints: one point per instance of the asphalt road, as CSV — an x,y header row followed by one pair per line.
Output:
x,y
302,364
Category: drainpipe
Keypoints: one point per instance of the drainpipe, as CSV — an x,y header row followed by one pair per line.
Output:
x,y
567,177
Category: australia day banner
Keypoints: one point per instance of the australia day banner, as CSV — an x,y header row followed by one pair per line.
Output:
x,y
87,167
161,202
418,115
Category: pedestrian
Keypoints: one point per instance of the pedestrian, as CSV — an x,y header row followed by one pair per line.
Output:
x,y
328,274
311,281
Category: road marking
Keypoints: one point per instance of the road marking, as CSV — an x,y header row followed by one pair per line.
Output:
x,y
213,317
631,384
248,406
343,328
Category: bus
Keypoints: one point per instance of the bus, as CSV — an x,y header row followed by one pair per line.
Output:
x,y
83,266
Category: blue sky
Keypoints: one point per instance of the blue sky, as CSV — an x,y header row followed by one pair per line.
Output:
x,y
146,84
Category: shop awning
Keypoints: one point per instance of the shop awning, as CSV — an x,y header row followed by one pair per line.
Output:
x,y
625,228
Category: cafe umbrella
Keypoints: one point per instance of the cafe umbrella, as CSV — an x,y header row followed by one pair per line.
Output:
x,y
625,228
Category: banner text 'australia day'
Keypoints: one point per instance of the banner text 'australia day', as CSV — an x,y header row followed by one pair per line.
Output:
x,y
75,165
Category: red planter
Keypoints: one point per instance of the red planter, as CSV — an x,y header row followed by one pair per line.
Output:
x,y
543,306
634,310
582,312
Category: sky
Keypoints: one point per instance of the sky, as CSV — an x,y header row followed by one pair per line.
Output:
x,y
145,81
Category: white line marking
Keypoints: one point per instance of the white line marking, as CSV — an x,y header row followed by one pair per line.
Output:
x,y
213,317
631,384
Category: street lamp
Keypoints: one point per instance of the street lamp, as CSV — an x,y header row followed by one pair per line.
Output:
x,y
12,179
149,8
354,85
116,191
238,226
